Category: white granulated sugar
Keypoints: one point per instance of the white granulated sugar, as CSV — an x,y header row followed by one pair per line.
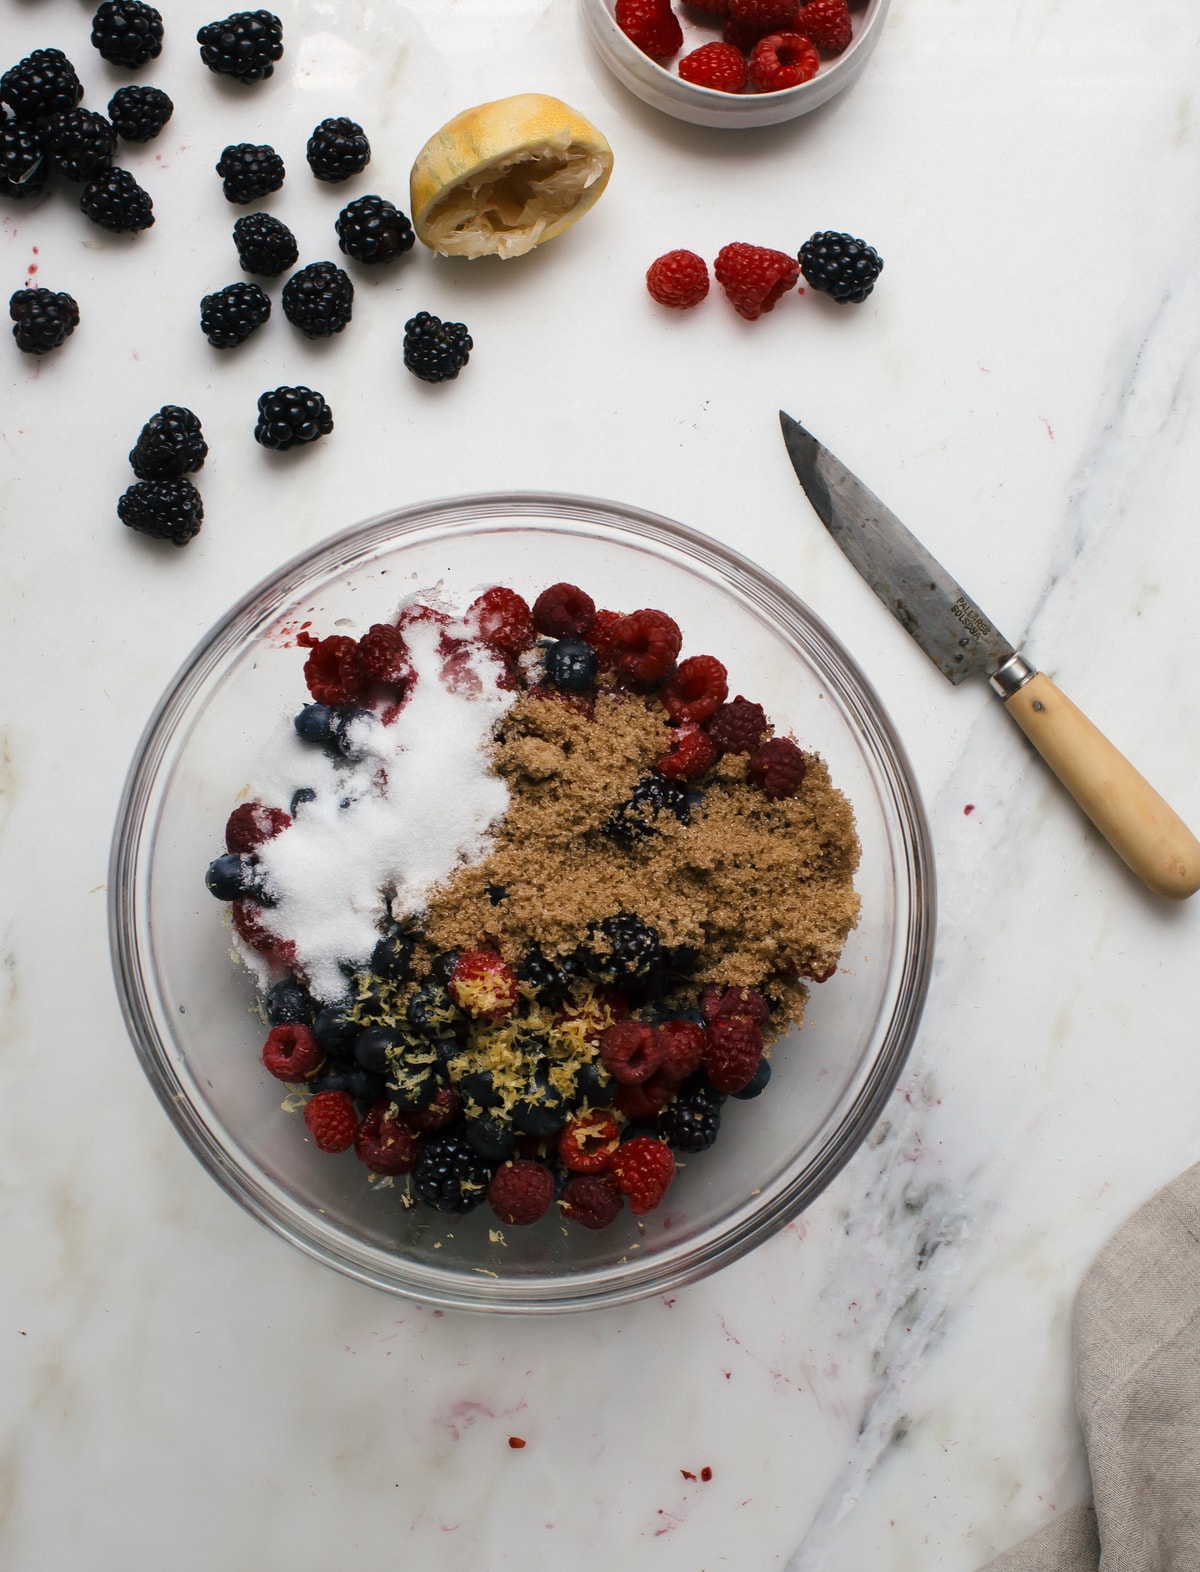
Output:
x,y
388,826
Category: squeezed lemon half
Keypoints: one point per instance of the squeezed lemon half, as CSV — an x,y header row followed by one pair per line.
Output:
x,y
503,177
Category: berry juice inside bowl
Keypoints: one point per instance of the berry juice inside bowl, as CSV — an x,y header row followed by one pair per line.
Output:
x,y
192,1011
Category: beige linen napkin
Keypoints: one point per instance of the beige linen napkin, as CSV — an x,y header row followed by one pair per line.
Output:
x,y
1137,1377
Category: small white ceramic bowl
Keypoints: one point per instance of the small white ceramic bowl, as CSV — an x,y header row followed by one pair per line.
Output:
x,y
663,88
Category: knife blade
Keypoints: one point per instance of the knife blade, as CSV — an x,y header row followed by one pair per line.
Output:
x,y
963,642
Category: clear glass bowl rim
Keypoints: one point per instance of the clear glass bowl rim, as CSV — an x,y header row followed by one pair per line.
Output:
x,y
339,552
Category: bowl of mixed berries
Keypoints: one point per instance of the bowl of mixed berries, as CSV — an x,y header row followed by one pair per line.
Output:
x,y
522,903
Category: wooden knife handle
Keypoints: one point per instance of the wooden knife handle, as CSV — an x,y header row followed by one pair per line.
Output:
x,y
1123,806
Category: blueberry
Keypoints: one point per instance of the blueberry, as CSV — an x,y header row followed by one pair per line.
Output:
x,y
757,1082
289,1003
477,1086
441,968
491,1139
299,797
359,1084
432,1010
315,723
496,893
414,1077
570,664
392,956
372,1046
342,738
336,1029
592,1083
541,1109
230,876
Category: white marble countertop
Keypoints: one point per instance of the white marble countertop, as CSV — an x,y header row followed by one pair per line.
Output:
x,y
887,1383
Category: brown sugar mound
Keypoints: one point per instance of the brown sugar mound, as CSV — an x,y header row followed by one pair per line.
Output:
x,y
759,890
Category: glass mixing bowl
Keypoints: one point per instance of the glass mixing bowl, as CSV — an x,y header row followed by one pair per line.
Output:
x,y
189,1009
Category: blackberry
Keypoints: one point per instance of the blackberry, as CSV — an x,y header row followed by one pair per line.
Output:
x,y
166,509
633,820
370,229
288,417
138,114
230,315
621,950
692,1121
127,32
115,201
41,85
570,664
81,143
264,244
245,45
544,978
249,170
435,350
169,445
840,266
42,320
449,1175
23,166
337,149
319,299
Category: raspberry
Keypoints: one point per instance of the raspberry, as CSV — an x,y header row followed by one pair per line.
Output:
x,y
783,60
777,767
754,277
592,1200
840,266
732,1049
386,1142
683,1049
250,928
443,1110
645,1102
742,35
651,25
252,823
600,637
503,620
292,1053
483,985
646,643
827,23
586,1144
564,611
333,671
766,15
331,1121
678,279
521,1192
631,1051
738,727
644,1168
383,655
715,65
692,751
715,8
742,1001
695,689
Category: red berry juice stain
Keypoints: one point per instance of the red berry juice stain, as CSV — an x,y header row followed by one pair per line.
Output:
x,y
687,1473
969,809
290,636
706,1473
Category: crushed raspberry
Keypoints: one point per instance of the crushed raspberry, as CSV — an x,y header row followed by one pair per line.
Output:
x,y
827,23
386,1142
483,985
646,1101
678,279
778,767
383,655
503,620
732,1048
738,727
651,25
647,643
631,1051
742,1001
820,974
250,928
592,1200
766,15
683,1049
331,1121
783,60
564,611
754,277
292,1053
586,1144
696,689
333,671
521,1192
251,823
644,1168
600,637
692,751
717,65
443,1109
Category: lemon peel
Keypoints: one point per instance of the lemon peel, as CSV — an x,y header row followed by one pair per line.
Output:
x,y
506,176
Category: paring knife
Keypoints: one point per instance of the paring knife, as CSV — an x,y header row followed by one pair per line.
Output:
x,y
961,642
